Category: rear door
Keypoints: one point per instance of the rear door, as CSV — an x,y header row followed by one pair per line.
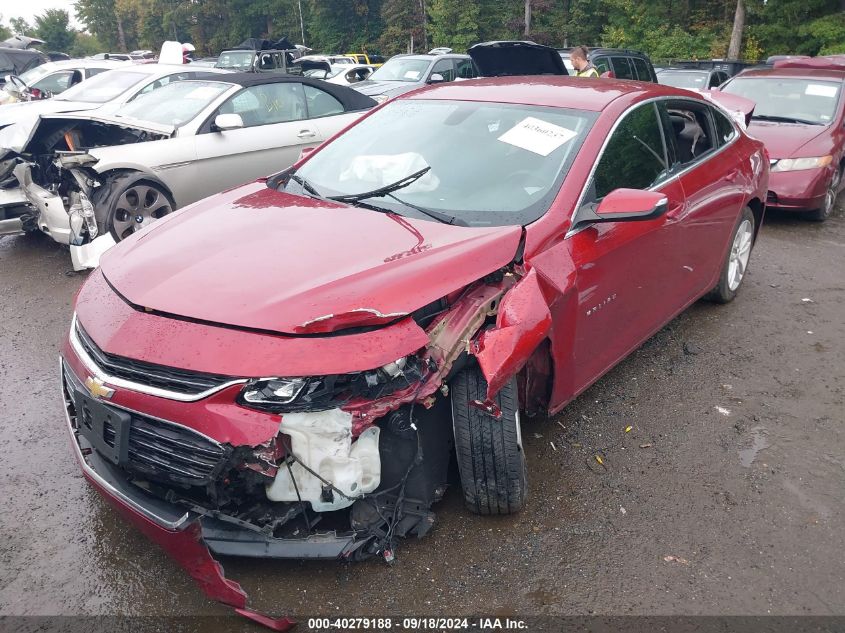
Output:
x,y
622,68
628,273
713,178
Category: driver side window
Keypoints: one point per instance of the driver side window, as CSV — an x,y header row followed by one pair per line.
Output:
x,y
267,104
446,68
634,158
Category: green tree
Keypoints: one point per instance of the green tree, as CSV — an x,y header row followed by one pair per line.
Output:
x,y
5,33
53,26
454,23
21,27
85,45
405,28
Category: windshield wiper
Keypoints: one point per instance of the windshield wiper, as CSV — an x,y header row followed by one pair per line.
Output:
x,y
436,215
383,191
783,119
306,186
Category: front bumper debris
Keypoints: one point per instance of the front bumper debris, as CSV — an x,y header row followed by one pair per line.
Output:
x,y
178,532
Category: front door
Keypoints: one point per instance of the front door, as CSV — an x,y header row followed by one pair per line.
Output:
x,y
627,273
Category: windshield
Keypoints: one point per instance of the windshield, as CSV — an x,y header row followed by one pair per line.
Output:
x,y
683,79
512,159
174,104
800,100
34,74
104,87
401,69
242,60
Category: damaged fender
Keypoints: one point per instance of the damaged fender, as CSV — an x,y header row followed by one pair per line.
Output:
x,y
522,322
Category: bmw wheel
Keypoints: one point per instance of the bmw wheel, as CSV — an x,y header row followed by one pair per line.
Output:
x,y
136,206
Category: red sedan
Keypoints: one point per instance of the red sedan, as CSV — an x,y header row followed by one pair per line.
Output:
x,y
285,369
800,116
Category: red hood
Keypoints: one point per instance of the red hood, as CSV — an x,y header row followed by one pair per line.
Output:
x,y
783,140
257,258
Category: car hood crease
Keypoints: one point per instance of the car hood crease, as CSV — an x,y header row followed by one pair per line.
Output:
x,y
287,262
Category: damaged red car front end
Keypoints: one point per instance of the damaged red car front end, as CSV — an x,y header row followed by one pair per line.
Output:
x,y
286,369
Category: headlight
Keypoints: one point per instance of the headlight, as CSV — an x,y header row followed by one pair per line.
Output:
x,y
797,164
273,390
380,98
319,393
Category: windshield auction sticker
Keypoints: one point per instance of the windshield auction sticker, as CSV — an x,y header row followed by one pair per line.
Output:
x,y
821,90
535,135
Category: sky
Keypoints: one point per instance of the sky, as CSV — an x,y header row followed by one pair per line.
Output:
x,y
28,9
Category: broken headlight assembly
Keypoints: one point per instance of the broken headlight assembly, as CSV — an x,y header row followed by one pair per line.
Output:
x,y
319,393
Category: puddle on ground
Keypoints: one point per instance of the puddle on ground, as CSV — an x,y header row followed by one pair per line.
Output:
x,y
759,442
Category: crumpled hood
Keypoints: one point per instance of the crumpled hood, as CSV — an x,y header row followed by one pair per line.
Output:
x,y
256,258
27,111
783,140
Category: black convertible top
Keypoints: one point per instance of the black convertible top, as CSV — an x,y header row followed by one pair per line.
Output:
x,y
351,99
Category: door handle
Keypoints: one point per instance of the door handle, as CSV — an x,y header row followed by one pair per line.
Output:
x,y
307,134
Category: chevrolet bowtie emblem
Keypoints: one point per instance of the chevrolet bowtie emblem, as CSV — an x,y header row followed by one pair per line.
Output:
x,y
98,389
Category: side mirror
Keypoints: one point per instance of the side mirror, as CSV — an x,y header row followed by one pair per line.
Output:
x,y
624,205
436,78
223,122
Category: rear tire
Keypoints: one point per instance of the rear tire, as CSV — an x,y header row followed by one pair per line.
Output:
x,y
736,260
489,450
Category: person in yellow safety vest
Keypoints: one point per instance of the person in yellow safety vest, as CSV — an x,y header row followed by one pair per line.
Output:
x,y
583,68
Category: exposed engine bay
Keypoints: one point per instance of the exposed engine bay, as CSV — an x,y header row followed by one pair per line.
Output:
x,y
49,182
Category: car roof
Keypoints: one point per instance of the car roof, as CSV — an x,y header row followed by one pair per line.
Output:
x,y
612,51
800,73
549,90
350,98
166,69
84,63
674,69
428,57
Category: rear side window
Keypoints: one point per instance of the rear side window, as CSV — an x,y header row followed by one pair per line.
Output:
x,y
725,129
634,157
622,68
643,72
465,69
321,103
691,130
602,65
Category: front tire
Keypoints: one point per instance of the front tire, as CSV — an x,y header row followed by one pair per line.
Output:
x,y
488,449
820,215
736,261
136,205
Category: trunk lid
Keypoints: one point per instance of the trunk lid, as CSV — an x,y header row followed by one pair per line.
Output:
x,y
510,58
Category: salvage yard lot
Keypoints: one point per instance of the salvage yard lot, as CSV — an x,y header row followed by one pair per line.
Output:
x,y
726,497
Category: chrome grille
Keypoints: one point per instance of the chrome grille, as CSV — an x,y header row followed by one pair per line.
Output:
x,y
181,381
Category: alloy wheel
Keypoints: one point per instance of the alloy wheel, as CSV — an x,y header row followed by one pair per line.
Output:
x,y
137,207
740,253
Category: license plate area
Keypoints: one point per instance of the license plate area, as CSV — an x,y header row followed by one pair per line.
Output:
x,y
106,428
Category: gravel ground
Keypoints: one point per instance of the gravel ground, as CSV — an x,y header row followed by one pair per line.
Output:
x,y
726,497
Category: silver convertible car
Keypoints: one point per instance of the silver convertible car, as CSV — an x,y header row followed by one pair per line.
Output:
x,y
188,140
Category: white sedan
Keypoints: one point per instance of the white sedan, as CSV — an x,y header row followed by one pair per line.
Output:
x,y
189,140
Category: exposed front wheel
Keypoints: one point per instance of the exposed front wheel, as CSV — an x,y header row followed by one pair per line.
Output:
x,y
488,448
736,261
820,215
136,206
